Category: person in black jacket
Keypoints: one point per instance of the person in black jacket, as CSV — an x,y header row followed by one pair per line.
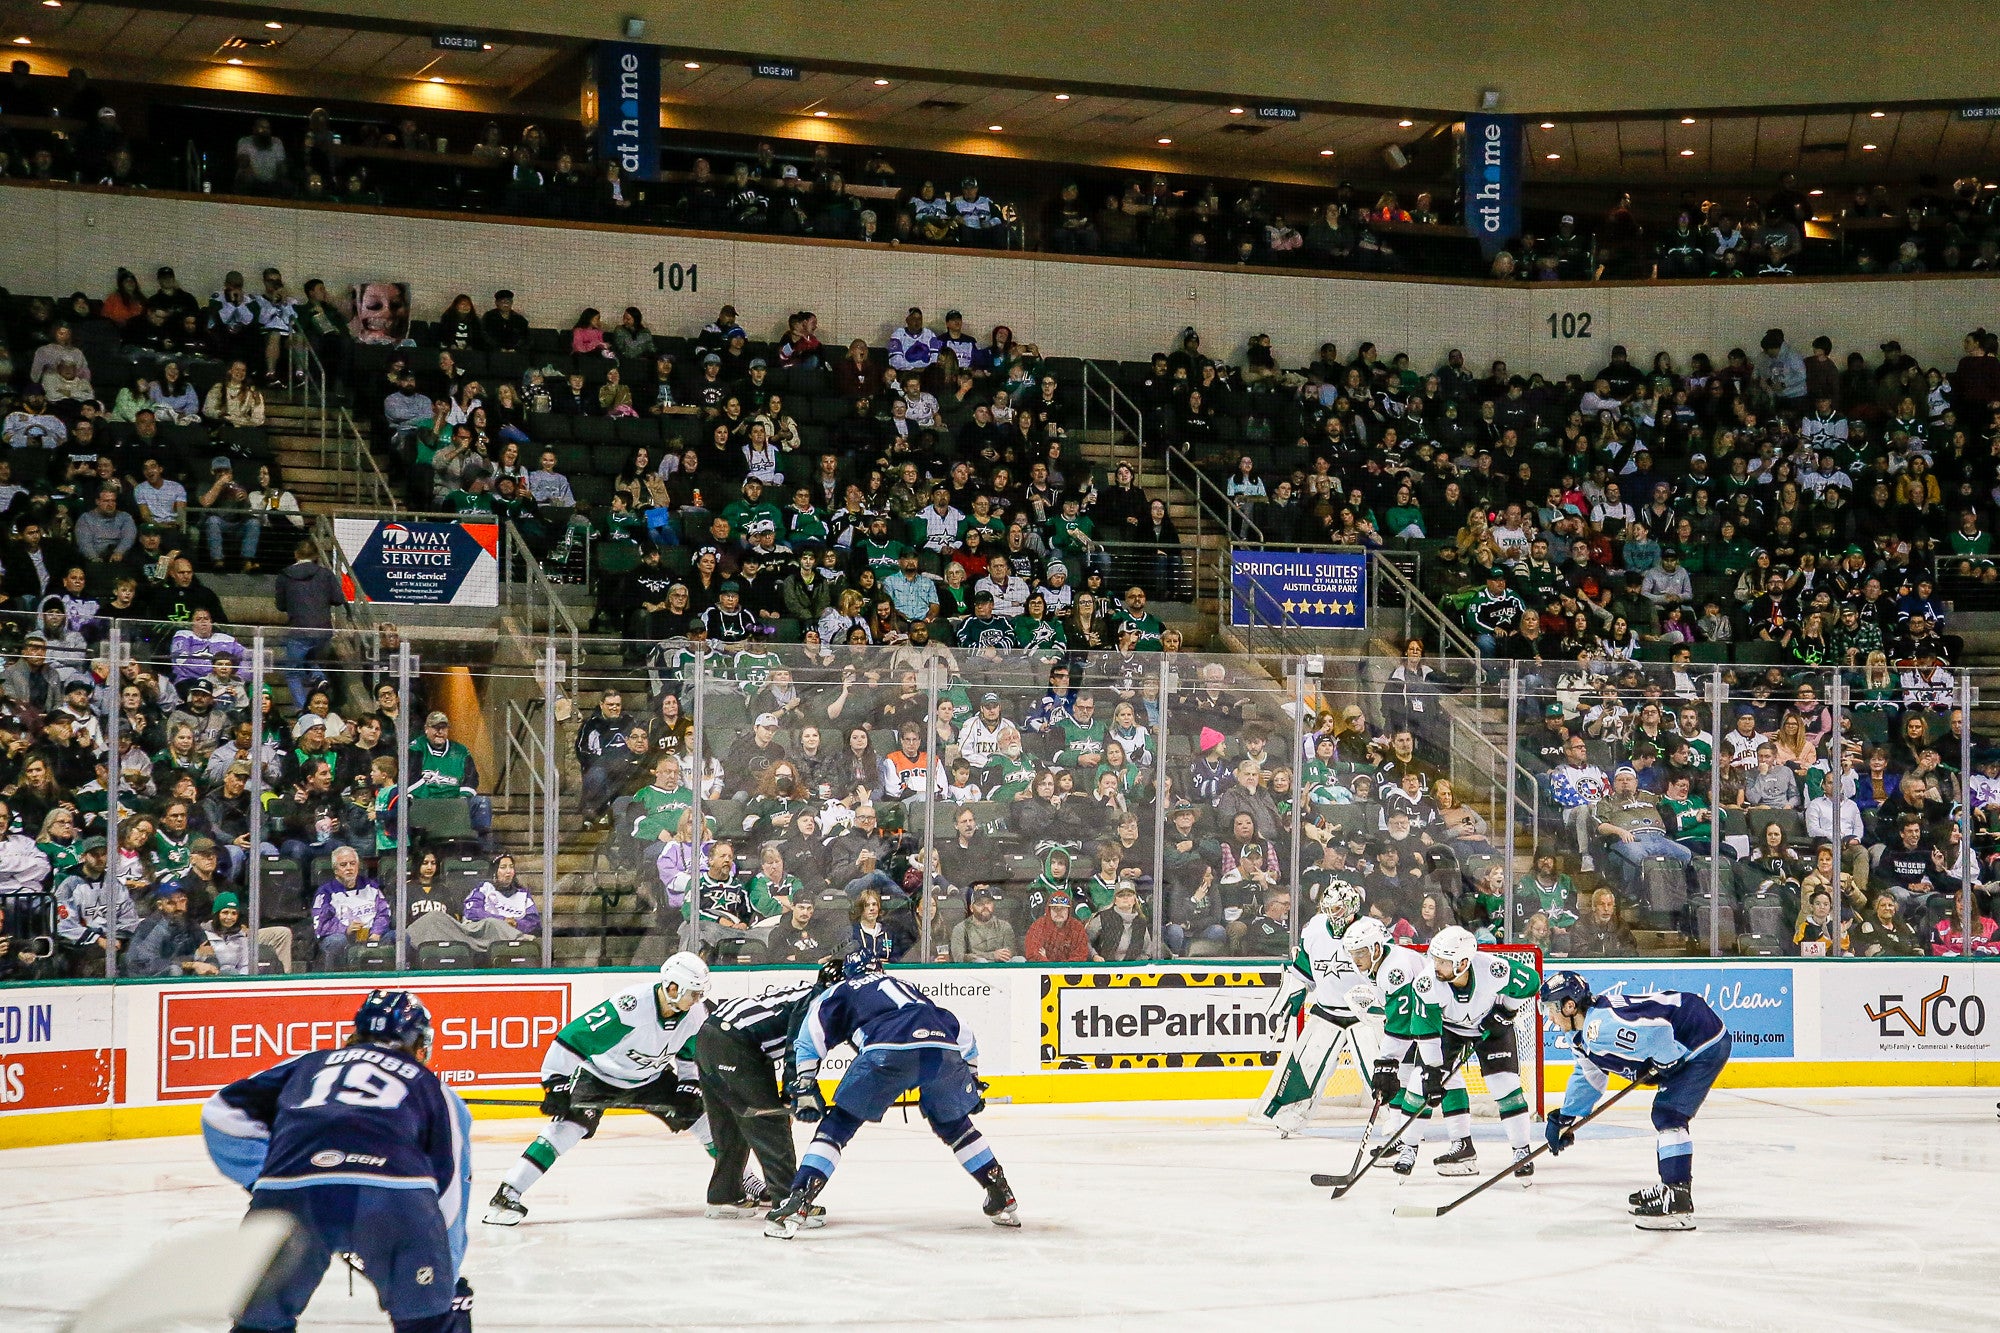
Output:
x,y
506,329
460,328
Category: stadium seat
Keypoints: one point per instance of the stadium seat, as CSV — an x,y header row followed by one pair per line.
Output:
x,y
446,956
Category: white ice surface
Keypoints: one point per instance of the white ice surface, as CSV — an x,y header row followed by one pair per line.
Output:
x,y
1834,1210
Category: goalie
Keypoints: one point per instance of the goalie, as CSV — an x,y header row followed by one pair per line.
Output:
x,y
1317,982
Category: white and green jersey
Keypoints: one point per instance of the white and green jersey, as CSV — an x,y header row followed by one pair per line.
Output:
x,y
625,1042
1410,994
1321,970
1499,984
753,669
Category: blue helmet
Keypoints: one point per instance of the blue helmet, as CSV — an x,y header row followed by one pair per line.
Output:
x,y
394,1018
860,964
1560,986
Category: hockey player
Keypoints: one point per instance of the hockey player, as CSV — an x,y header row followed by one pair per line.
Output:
x,y
367,1151
902,1041
1481,996
1317,980
745,1056
1409,1075
1669,1039
632,1051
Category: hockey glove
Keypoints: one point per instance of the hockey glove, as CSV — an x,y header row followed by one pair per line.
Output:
x,y
1386,1078
807,1105
1496,1025
555,1097
680,1108
979,1086
1560,1135
1360,999
1434,1077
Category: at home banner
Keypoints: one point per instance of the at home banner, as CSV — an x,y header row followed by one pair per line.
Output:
x,y
625,89
1309,589
422,564
1492,161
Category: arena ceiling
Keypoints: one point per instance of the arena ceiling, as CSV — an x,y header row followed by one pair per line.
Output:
x,y
289,48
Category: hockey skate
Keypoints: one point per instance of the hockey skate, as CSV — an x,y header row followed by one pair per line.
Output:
x,y
1460,1160
1406,1160
999,1204
1664,1208
794,1213
1525,1173
505,1208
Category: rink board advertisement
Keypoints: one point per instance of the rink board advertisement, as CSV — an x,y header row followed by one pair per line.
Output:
x,y
485,1036
92,1061
1160,1018
421,564
1758,1003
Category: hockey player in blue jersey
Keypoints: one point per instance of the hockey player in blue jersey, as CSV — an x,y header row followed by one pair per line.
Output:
x,y
369,1153
1668,1039
902,1042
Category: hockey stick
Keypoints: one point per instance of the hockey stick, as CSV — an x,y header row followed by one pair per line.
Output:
x,y
1342,1184
1426,1210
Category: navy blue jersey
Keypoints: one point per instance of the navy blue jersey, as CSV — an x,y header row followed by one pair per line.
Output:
x,y
1624,1034
877,1013
359,1115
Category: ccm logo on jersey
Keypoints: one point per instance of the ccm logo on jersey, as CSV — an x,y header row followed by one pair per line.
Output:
x,y
331,1157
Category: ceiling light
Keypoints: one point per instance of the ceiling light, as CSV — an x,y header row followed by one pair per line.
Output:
x,y
1877,115
437,78
486,46
1687,120
1815,193
1062,97
994,128
690,64
1555,157
1326,152
20,41
881,83
1868,148
1404,124
1163,141
822,114
1687,152
1236,111
1548,124
272,24
52,4
1990,187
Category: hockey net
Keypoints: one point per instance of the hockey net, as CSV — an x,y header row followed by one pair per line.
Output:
x,y
1345,1094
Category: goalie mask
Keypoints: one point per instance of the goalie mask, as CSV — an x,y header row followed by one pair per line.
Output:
x,y
1339,901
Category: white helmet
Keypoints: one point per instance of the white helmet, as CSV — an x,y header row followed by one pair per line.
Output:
x,y
685,976
1340,900
1453,945
1366,933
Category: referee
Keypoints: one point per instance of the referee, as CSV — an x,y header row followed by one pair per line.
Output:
x,y
744,1052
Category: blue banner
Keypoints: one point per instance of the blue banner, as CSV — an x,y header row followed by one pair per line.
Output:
x,y
627,84
1309,589
1756,1002
1492,153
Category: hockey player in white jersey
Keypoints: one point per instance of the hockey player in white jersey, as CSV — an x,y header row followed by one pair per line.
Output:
x,y
1479,997
636,1051
1408,1075
1317,981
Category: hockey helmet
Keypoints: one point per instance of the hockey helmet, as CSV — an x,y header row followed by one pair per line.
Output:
x,y
860,964
1566,985
1453,946
394,1018
1340,900
685,978
1367,933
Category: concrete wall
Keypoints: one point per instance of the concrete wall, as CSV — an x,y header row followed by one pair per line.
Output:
x,y
61,240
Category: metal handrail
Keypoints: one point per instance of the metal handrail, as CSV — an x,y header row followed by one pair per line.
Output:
x,y
360,611
533,586
1109,398
1416,606
523,763
371,487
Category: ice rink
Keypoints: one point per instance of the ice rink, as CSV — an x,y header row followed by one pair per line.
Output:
x,y
1827,1210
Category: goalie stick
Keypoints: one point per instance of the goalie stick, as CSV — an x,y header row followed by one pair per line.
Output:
x,y
1428,1210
